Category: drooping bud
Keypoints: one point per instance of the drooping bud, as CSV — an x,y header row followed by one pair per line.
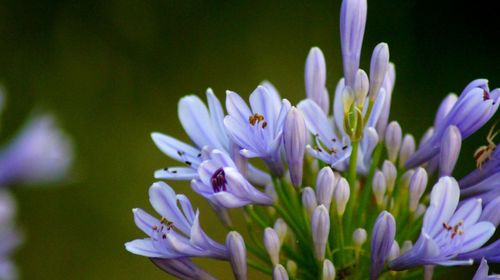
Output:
x,y
315,79
394,252
361,86
393,137
407,245
418,183
450,150
325,186
407,149
328,270
320,223
445,107
309,200
291,267
281,228
379,187
294,139
378,69
390,174
342,193
359,237
272,244
279,273
383,236
352,29
237,254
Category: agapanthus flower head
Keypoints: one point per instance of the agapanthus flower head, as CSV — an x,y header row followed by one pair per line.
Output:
x,y
300,210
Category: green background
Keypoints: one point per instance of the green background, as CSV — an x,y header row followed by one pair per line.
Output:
x,y
113,72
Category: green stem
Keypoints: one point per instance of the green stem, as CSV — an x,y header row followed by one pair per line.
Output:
x,y
256,217
259,267
368,184
353,164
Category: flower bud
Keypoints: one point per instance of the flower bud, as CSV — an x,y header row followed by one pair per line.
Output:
x,y
348,98
320,223
378,68
325,186
390,174
359,237
294,140
291,267
271,192
426,137
379,187
342,193
279,273
407,245
237,254
352,29
393,137
360,88
309,200
383,235
450,150
328,270
315,79
394,252
281,228
407,149
418,183
272,244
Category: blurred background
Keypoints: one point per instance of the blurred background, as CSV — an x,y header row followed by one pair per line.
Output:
x,y
114,70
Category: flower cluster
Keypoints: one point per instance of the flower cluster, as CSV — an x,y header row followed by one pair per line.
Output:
x,y
39,154
333,179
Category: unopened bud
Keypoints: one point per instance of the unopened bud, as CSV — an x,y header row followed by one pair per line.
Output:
x,y
342,193
309,200
407,149
281,229
407,245
294,142
320,223
272,244
325,186
450,150
420,211
390,174
383,235
315,79
328,270
394,253
291,267
359,237
361,86
405,179
444,108
348,98
279,273
237,254
418,183
378,68
379,187
393,135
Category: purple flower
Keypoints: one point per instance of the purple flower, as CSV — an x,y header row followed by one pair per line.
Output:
x,y
489,168
182,268
10,238
222,184
258,130
315,79
383,236
177,234
40,153
475,106
490,252
446,230
482,272
487,190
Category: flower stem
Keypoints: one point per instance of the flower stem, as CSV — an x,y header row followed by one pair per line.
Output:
x,y
368,185
351,177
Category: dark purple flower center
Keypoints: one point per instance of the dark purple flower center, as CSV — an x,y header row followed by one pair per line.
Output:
x,y
486,95
219,180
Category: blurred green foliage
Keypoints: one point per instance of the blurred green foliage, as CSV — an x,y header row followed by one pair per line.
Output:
x,y
114,70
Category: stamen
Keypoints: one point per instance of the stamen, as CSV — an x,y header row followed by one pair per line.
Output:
x,y
218,180
257,118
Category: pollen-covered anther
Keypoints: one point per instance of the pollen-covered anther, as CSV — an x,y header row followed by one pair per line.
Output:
x,y
257,118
